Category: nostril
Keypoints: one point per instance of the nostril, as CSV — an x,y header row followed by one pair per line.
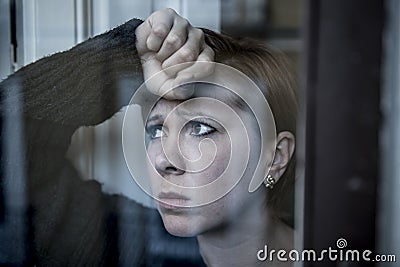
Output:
x,y
171,169
165,167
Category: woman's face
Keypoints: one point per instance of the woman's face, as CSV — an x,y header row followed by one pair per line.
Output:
x,y
190,145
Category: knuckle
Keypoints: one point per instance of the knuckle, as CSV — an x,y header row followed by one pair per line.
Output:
x,y
173,40
208,53
160,30
199,33
150,45
185,23
169,11
186,54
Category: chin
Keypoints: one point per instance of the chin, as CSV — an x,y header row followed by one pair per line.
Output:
x,y
180,225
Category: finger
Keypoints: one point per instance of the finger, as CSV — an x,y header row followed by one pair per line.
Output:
x,y
175,40
154,76
198,68
183,83
161,23
167,90
162,84
142,33
157,36
189,52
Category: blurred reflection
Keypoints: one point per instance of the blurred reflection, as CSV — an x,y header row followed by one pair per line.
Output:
x,y
261,19
70,221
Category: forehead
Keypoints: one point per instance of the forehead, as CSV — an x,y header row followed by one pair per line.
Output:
x,y
214,92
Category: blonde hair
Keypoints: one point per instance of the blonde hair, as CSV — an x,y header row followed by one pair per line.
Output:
x,y
270,70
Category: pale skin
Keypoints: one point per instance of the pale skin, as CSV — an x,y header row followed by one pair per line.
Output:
x,y
232,229
254,227
166,39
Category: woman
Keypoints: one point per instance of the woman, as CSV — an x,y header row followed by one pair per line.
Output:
x,y
231,229
67,221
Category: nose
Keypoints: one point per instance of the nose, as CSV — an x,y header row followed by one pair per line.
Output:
x,y
162,163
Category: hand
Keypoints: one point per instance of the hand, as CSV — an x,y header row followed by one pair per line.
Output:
x,y
165,39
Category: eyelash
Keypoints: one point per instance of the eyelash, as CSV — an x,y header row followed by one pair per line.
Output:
x,y
151,129
203,123
200,135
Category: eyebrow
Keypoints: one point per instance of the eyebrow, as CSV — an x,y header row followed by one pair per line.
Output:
x,y
156,117
185,113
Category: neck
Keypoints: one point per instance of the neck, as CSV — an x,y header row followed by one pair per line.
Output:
x,y
237,244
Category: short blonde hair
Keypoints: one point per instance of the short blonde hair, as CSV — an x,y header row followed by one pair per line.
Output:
x,y
270,70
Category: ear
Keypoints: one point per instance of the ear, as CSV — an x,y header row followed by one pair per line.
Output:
x,y
283,153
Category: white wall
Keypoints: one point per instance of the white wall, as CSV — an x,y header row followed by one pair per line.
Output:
x,y
5,41
49,26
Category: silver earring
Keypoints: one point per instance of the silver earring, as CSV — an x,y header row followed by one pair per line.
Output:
x,y
269,181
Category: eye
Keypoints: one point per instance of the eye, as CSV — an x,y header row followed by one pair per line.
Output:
x,y
201,129
155,131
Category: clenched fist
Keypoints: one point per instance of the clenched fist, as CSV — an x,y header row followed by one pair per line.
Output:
x,y
165,40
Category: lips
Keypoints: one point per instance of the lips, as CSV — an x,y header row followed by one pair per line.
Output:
x,y
171,200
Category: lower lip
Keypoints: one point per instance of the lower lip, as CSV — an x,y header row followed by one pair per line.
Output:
x,y
173,203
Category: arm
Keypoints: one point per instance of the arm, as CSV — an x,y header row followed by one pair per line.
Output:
x,y
70,219
81,86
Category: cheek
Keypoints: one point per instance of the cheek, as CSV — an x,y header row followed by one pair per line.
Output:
x,y
235,170
151,155
152,151
212,155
